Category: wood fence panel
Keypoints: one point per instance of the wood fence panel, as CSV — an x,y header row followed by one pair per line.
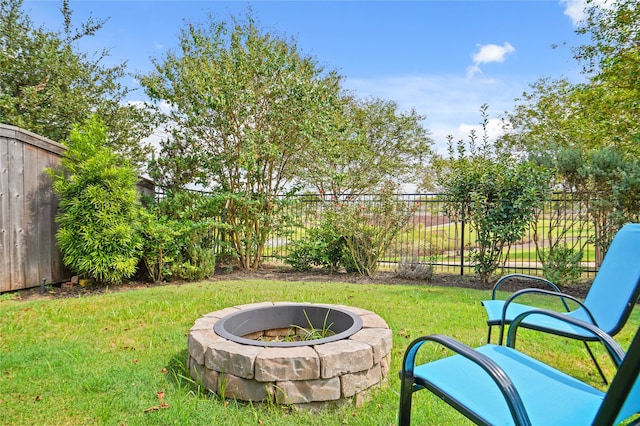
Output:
x,y
33,217
16,214
58,271
5,260
47,251
51,265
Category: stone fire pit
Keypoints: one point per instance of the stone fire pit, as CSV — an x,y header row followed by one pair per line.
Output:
x,y
240,353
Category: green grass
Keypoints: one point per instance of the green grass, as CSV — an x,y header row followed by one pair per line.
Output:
x,y
104,359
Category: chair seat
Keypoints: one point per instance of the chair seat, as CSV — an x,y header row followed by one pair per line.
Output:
x,y
537,322
609,302
539,385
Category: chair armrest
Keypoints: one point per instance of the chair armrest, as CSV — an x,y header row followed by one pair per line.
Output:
x,y
506,278
497,374
562,296
615,351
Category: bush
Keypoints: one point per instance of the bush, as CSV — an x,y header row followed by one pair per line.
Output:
x,y
562,265
414,270
369,229
179,237
99,209
196,259
497,198
322,246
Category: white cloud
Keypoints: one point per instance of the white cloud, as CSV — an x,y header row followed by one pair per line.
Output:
x,y
494,129
576,9
492,53
489,53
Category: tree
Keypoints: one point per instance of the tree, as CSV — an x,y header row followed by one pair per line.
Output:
x,y
371,142
99,210
607,182
497,198
245,107
495,193
613,57
540,123
603,111
591,129
556,115
47,85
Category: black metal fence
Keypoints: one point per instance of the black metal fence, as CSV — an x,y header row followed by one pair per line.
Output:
x,y
432,236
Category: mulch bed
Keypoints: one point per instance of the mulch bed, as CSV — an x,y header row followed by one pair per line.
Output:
x,y
286,274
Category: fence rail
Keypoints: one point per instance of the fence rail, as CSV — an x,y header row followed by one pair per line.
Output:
x,y
433,237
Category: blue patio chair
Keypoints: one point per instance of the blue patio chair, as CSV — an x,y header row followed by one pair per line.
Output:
x,y
498,385
608,303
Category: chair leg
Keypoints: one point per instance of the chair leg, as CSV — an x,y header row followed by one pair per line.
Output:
x,y
593,358
406,393
501,335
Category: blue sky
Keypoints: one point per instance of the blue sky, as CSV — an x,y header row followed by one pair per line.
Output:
x,y
443,58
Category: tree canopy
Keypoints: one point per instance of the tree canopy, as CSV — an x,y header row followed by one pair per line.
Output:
x,y
603,111
371,142
245,108
588,133
47,85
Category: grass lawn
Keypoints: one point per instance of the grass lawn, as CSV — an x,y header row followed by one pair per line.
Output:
x,y
119,358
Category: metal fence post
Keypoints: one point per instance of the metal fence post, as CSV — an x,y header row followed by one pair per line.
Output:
x,y
462,246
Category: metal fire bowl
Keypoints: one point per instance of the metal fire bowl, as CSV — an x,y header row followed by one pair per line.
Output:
x,y
247,321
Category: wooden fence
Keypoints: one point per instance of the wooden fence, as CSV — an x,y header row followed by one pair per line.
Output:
x,y
28,252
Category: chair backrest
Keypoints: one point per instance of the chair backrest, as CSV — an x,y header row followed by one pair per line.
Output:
x,y
623,396
616,287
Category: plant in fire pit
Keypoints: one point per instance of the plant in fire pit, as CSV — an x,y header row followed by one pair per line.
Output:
x,y
313,333
299,333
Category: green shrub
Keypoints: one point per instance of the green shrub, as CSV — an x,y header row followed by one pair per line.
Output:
x,y
99,220
369,229
322,246
179,237
497,198
562,264
303,254
158,246
197,258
